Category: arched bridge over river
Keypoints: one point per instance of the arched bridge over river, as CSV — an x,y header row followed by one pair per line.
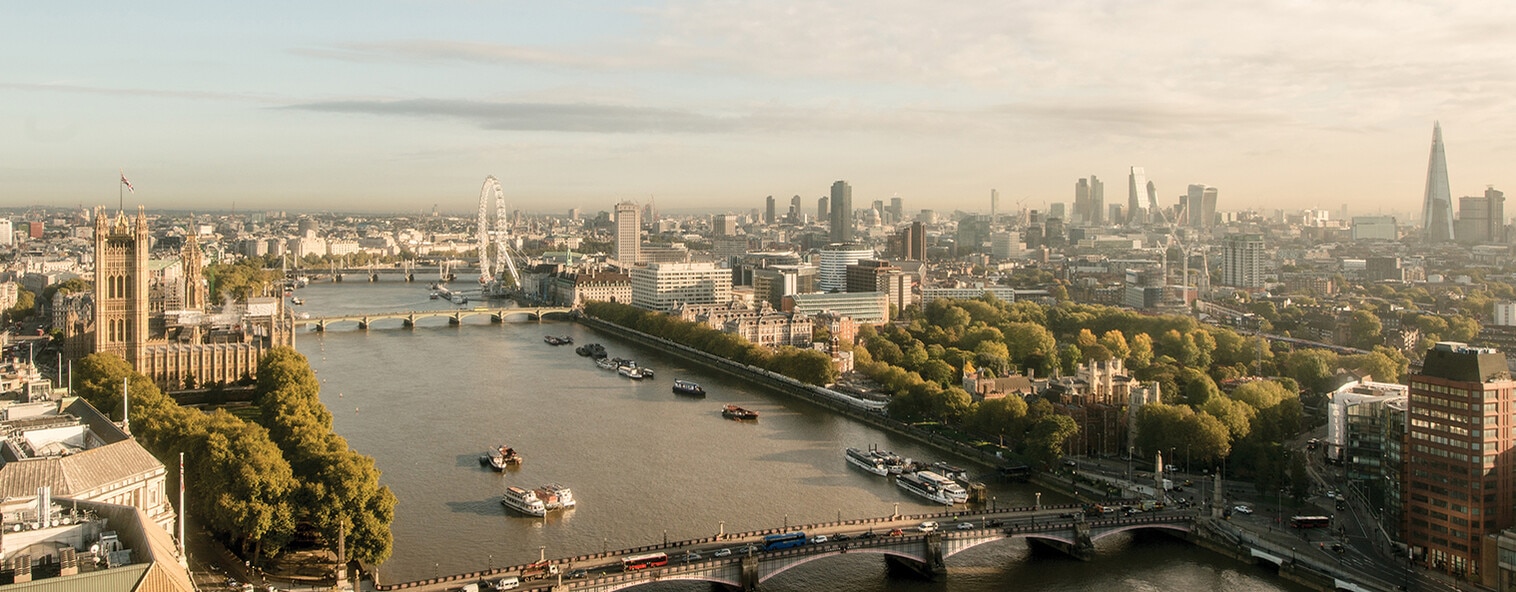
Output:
x,y
408,318
898,538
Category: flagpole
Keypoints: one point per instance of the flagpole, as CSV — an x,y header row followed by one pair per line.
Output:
x,y
120,195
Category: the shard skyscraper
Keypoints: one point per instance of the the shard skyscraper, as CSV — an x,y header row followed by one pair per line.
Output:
x,y
1437,213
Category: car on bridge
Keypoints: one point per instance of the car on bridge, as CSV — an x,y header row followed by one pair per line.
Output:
x,y
965,526
722,553
897,532
841,536
928,526
818,539
1242,509
579,573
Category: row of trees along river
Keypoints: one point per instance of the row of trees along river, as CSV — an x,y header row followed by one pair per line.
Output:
x,y
254,481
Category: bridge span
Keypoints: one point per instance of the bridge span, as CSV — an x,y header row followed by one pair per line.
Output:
x,y
408,318
739,562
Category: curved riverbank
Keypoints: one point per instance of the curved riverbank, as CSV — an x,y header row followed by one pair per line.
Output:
x,y
869,412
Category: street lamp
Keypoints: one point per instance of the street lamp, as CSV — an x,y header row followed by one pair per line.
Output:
x,y
993,505
1038,507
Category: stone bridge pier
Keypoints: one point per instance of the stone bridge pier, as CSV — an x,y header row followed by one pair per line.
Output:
x,y
1082,546
934,568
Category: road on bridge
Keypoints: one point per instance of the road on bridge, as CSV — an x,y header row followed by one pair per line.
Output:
x,y
735,545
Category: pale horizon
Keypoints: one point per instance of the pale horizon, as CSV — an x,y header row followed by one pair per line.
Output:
x,y
711,106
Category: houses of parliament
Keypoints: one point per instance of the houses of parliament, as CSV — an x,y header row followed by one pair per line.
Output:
x,y
154,312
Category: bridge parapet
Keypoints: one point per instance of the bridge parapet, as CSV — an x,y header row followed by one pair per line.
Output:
x,y
924,554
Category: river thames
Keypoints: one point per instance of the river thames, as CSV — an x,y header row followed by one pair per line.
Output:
x,y
642,462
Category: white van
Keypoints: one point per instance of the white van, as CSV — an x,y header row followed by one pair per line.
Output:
x,y
508,583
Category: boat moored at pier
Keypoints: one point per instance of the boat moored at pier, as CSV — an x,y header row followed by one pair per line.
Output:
x,y
956,473
867,460
924,487
539,501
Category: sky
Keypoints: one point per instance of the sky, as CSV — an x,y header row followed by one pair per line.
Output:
x,y
383,106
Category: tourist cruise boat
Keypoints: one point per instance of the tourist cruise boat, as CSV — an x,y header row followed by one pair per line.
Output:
x,y
924,487
868,460
941,467
951,488
524,501
539,501
685,387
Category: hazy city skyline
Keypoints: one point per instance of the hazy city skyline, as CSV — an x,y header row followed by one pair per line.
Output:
x,y
395,107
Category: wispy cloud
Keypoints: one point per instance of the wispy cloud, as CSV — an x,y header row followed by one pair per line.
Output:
x,y
428,50
140,92
561,117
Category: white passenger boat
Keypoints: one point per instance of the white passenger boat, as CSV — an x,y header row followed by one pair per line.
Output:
x,y
926,488
524,501
868,461
539,501
951,488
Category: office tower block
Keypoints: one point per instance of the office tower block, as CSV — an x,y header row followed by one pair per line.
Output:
x,y
1458,462
768,210
1137,182
628,233
1242,261
1089,201
842,212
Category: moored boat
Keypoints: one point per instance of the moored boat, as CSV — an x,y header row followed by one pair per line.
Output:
x,y
630,371
524,501
923,487
685,387
738,413
941,467
555,496
867,460
606,364
646,371
949,487
500,458
539,501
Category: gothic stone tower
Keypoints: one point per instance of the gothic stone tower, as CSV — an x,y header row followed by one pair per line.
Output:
x,y
194,282
121,284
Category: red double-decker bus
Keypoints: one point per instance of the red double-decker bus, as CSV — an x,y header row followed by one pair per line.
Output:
x,y
637,562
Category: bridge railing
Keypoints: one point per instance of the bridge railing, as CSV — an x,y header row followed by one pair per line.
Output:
x,y
733,537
